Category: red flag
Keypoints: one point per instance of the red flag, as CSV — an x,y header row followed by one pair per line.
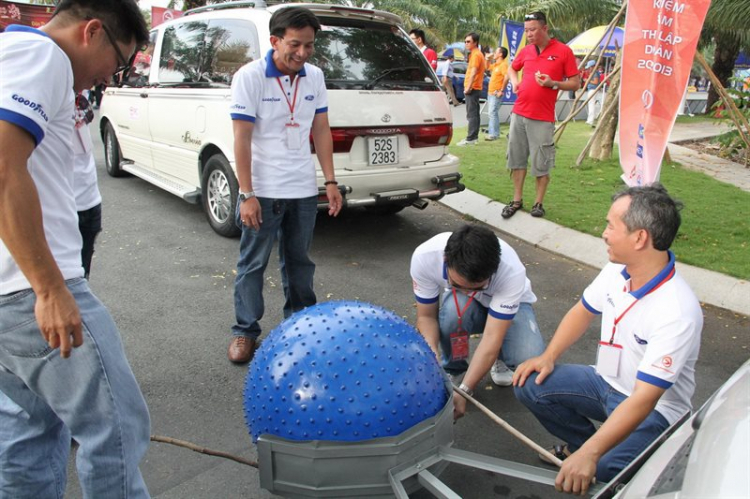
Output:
x,y
161,15
658,50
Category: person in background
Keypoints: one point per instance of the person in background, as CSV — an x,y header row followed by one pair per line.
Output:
x,y
473,81
418,37
498,82
649,341
548,66
445,75
85,185
595,104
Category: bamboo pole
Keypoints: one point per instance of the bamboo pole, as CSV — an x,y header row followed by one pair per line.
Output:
x,y
585,103
523,438
611,106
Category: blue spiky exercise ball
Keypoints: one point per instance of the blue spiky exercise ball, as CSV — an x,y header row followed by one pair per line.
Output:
x,y
342,371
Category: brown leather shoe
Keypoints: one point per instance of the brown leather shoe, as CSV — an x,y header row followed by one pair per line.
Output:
x,y
241,349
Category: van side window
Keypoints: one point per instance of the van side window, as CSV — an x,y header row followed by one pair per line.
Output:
x,y
179,61
230,44
139,72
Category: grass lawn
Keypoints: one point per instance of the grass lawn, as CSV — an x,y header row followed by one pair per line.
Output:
x,y
715,231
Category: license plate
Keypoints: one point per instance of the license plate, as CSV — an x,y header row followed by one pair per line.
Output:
x,y
382,150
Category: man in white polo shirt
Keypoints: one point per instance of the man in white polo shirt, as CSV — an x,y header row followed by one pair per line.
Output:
x,y
50,393
650,337
468,282
277,103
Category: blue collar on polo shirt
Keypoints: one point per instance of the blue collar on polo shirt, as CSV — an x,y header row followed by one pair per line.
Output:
x,y
657,279
273,72
24,29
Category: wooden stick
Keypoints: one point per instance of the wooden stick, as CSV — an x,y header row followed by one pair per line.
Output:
x,y
523,438
575,111
202,450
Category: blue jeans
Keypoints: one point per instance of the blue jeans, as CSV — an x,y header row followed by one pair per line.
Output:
x,y
493,129
570,398
292,221
45,400
522,340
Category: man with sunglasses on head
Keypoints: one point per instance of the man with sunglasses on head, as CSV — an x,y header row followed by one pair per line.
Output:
x,y
49,392
548,66
472,282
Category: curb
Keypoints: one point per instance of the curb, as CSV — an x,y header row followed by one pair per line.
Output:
x,y
710,287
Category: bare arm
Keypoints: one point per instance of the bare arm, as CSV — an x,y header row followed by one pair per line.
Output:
x,y
513,76
427,325
321,132
580,467
572,83
22,231
250,212
571,328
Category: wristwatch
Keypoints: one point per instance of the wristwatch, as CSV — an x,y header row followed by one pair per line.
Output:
x,y
244,196
555,86
466,390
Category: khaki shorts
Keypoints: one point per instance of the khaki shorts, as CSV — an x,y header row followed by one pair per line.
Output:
x,y
531,138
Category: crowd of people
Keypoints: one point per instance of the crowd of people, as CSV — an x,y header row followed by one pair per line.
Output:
x,y
64,374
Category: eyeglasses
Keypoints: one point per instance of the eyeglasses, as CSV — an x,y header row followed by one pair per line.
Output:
x,y
467,289
124,62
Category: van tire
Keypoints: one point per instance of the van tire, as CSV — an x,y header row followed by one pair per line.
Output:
x,y
112,153
219,191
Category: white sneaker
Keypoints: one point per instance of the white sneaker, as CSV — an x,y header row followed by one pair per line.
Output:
x,y
500,373
467,143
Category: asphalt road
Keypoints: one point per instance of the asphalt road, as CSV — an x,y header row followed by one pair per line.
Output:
x,y
167,280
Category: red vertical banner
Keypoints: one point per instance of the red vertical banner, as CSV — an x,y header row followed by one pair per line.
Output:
x,y
35,16
161,15
658,50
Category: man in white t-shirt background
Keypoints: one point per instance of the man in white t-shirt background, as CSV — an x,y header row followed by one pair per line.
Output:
x,y
471,282
277,103
644,376
50,393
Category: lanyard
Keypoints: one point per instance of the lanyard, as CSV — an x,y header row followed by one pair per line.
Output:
x,y
460,312
294,99
618,319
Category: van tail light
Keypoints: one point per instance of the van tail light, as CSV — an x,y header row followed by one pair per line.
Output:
x,y
419,135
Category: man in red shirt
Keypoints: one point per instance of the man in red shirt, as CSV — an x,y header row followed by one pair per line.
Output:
x,y
417,36
473,82
548,66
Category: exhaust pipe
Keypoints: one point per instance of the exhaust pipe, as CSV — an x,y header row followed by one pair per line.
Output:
x,y
421,203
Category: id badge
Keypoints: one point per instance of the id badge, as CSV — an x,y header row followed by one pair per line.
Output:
x,y
608,359
459,345
293,139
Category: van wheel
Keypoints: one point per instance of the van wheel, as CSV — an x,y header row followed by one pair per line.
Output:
x,y
220,189
385,210
112,155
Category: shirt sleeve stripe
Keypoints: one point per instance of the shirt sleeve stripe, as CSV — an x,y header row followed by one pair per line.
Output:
x,y
501,316
653,380
589,307
321,110
426,301
23,122
242,117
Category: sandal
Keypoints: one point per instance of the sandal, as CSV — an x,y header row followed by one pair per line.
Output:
x,y
559,451
511,208
537,210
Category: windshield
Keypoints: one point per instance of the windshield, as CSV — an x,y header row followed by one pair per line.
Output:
x,y
357,54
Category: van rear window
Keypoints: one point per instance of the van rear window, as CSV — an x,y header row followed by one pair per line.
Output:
x,y
356,54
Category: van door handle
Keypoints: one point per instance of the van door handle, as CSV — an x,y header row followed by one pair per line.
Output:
x,y
144,95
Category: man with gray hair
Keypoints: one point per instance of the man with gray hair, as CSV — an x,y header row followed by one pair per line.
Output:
x,y
644,376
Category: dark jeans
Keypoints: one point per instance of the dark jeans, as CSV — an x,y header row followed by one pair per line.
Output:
x,y
472,114
291,221
90,225
574,395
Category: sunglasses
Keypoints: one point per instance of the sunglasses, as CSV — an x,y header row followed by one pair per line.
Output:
x,y
535,17
124,62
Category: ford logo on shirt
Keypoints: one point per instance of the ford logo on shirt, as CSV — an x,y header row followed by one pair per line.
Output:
x,y
309,97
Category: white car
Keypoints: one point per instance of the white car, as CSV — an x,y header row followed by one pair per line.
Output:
x,y
706,455
168,119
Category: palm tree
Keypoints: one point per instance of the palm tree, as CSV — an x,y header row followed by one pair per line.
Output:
x,y
566,18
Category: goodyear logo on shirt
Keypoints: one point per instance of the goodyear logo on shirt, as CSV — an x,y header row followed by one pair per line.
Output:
x,y
32,105
271,99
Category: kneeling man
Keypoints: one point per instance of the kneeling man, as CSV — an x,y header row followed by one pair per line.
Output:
x,y
470,281
650,336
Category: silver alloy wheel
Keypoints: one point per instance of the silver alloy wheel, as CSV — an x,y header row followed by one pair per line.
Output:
x,y
219,196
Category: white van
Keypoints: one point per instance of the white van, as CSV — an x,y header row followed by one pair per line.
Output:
x,y
168,119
